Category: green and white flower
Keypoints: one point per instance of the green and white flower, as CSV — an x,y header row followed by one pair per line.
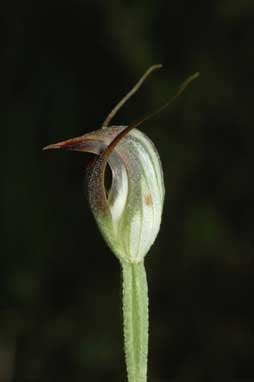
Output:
x,y
129,214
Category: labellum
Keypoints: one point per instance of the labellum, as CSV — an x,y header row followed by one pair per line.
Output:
x,y
128,214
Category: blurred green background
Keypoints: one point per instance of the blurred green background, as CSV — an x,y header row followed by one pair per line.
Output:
x,y
64,64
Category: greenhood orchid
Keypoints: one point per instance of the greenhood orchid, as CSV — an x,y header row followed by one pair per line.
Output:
x,y
128,214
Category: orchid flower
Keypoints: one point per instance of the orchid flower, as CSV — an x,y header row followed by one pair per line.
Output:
x,y
128,214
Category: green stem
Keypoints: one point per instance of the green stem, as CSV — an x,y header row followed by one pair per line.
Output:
x,y
135,317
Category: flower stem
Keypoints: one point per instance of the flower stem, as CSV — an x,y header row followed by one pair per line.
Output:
x,y
135,317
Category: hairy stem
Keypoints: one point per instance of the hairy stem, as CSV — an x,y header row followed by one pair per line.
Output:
x,y
135,317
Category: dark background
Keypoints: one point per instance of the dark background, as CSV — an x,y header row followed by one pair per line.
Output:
x,y
63,65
